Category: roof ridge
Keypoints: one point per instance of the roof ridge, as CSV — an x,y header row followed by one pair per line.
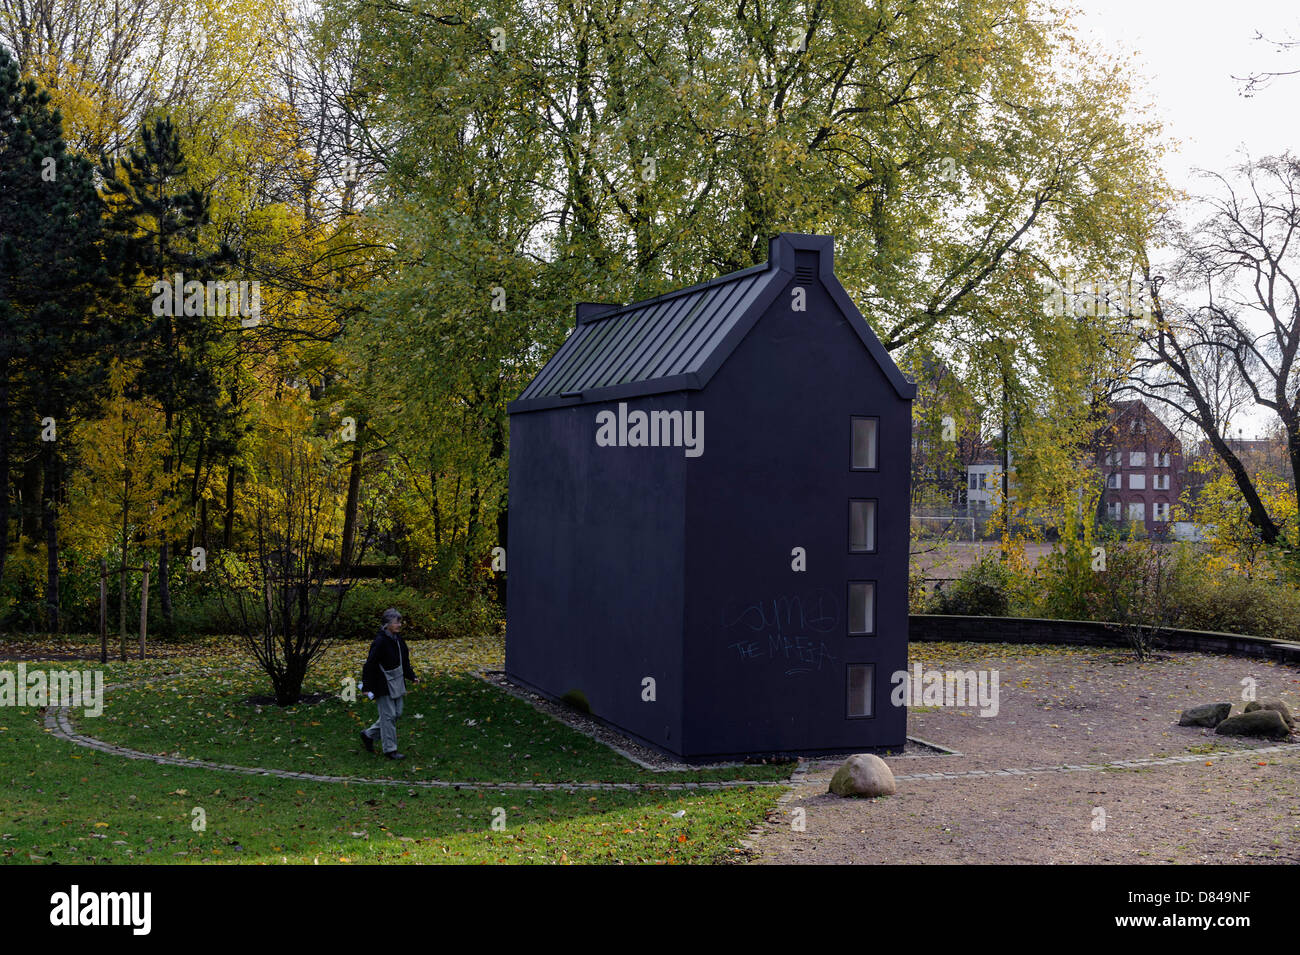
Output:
x,y
615,310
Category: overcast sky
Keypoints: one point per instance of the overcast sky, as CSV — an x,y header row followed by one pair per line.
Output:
x,y
1188,52
1187,55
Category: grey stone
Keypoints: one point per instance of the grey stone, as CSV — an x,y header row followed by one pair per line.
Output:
x,y
1266,723
1208,714
863,775
1276,705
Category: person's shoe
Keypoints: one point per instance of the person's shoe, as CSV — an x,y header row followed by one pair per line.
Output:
x,y
367,742
395,755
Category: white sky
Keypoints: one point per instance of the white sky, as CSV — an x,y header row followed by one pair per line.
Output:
x,y
1188,52
1187,56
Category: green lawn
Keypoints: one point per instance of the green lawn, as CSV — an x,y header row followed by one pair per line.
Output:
x,y
62,803
454,727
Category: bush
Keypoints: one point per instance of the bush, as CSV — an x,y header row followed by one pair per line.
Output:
x,y
368,599
982,591
577,700
22,592
424,616
1232,604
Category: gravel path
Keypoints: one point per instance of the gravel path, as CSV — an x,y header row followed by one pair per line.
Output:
x,y
1083,763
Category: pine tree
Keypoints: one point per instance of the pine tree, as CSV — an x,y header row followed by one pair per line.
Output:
x,y
51,272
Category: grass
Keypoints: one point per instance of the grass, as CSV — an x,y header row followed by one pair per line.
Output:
x,y
66,804
454,726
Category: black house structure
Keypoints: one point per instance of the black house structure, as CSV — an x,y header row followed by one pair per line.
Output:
x,y
709,517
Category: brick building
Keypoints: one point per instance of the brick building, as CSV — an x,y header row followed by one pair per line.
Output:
x,y
1141,461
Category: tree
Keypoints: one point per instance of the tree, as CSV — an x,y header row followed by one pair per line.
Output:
x,y
119,501
111,64
51,272
281,593
1231,321
176,323
608,150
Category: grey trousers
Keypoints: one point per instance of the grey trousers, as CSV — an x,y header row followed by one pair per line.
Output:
x,y
390,708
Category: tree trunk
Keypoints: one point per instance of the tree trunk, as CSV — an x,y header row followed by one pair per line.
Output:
x,y
49,518
121,603
164,593
30,501
350,511
164,547
103,610
228,525
203,524
144,607
4,466
194,496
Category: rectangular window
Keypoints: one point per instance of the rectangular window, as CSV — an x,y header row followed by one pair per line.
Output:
x,y
861,678
1114,510
1137,511
1114,458
1161,511
862,527
862,608
1162,459
976,483
1137,459
865,434
1137,482
1162,482
1112,481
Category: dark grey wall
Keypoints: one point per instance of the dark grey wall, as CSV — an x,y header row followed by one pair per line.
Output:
x,y
595,582
766,648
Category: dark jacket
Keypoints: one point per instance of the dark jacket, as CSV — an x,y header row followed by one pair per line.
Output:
x,y
386,653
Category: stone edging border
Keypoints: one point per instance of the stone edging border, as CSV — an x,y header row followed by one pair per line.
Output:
x,y
926,628
59,723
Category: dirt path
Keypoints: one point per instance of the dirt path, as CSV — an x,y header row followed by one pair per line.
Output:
x,y
1065,718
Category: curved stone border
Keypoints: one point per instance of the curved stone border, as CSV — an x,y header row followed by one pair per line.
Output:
x,y
923,628
59,723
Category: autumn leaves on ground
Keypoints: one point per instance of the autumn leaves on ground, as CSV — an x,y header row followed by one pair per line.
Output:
x,y
63,803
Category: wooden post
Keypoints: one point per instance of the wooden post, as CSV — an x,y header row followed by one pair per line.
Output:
x,y
144,607
103,610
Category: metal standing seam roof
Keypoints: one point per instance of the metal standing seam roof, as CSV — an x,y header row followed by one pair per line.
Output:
x,y
661,338
678,340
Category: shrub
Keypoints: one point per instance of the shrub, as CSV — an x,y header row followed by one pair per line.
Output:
x,y
1232,604
22,592
983,590
368,599
577,700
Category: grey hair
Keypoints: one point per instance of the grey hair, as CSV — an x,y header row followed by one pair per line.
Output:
x,y
391,614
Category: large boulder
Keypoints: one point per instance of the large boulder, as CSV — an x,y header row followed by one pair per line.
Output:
x,y
1276,705
863,775
1266,723
1208,714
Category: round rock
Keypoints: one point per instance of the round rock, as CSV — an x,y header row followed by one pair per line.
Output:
x,y
863,775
